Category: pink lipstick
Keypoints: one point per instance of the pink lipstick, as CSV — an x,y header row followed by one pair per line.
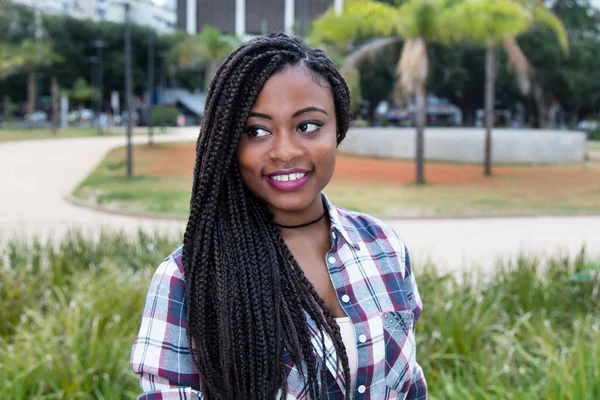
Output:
x,y
289,180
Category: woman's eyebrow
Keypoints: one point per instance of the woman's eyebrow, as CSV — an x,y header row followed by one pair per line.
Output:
x,y
259,115
308,109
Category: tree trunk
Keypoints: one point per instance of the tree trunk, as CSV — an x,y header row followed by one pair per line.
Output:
x,y
55,100
210,73
420,116
543,107
490,79
31,91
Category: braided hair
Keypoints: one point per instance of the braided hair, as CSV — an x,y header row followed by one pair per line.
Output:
x,y
247,297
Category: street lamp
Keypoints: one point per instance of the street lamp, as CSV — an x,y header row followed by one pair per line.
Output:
x,y
163,67
303,18
93,100
150,86
128,89
99,44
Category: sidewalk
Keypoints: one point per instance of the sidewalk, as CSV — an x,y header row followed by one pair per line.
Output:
x,y
35,175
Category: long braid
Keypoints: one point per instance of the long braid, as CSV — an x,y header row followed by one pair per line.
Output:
x,y
247,296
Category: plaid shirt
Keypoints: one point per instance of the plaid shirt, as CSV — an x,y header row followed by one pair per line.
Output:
x,y
370,270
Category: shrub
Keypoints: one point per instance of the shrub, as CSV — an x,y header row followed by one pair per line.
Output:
x,y
70,312
166,114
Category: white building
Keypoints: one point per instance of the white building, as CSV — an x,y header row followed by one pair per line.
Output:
x,y
161,18
158,14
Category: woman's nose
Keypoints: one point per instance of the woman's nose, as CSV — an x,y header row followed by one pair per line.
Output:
x,y
285,147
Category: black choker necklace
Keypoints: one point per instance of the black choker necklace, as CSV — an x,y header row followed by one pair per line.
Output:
x,y
302,225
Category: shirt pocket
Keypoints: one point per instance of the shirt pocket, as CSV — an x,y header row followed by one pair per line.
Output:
x,y
400,349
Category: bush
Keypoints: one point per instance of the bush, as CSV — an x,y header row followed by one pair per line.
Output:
x,y
69,315
595,134
168,115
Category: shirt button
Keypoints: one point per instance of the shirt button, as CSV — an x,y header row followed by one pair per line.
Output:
x,y
362,338
333,235
345,298
331,260
362,389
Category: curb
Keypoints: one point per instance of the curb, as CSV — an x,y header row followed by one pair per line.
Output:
x,y
133,214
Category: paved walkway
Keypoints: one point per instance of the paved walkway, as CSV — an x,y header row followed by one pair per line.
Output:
x,y
35,176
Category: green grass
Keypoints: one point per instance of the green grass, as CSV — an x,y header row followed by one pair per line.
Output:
x,y
70,314
397,201
164,177
108,186
592,145
10,134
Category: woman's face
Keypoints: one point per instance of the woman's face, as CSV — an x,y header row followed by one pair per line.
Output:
x,y
287,153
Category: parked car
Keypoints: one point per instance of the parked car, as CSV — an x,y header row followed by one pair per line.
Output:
x,y
36,117
588,125
83,115
440,112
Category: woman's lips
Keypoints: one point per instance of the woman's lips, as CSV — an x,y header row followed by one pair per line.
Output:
x,y
289,182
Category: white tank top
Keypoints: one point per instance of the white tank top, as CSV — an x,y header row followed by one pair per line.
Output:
x,y
349,339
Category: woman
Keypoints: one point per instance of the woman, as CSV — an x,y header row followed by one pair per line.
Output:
x,y
276,293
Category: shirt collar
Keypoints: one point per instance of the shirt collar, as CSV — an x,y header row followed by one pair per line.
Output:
x,y
341,224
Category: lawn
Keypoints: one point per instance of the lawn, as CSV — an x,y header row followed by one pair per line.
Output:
x,y
11,134
526,332
593,145
380,187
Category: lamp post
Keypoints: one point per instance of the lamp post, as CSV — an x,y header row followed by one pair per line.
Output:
x,y
93,100
99,44
128,89
163,66
151,87
303,17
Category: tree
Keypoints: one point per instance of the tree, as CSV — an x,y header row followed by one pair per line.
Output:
x,y
33,55
573,82
207,49
490,22
417,22
10,60
81,92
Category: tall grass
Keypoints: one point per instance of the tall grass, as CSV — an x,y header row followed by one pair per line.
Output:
x,y
69,314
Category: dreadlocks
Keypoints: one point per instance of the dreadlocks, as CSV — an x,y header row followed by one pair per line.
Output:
x,y
247,296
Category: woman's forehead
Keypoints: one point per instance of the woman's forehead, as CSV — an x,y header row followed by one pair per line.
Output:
x,y
294,85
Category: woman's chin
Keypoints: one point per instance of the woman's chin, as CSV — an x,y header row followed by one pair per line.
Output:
x,y
291,202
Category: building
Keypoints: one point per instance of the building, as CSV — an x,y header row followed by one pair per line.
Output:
x,y
74,8
160,17
157,14
250,17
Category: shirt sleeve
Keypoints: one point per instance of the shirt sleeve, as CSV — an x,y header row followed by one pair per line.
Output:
x,y
161,354
418,385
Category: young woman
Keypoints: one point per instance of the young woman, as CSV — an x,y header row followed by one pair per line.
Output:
x,y
277,293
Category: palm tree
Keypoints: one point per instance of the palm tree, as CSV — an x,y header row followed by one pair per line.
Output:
x,y
417,22
31,56
491,22
10,60
209,48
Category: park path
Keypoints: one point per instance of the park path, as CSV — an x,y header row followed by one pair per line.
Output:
x,y
36,175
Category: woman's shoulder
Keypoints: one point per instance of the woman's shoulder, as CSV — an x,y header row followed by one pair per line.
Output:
x,y
170,269
365,226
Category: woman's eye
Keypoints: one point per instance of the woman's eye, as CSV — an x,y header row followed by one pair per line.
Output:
x,y
255,131
308,127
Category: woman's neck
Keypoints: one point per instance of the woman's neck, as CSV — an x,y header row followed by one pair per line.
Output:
x,y
310,216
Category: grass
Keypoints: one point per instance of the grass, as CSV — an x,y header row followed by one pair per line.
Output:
x,y
11,134
592,145
147,192
379,187
70,314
